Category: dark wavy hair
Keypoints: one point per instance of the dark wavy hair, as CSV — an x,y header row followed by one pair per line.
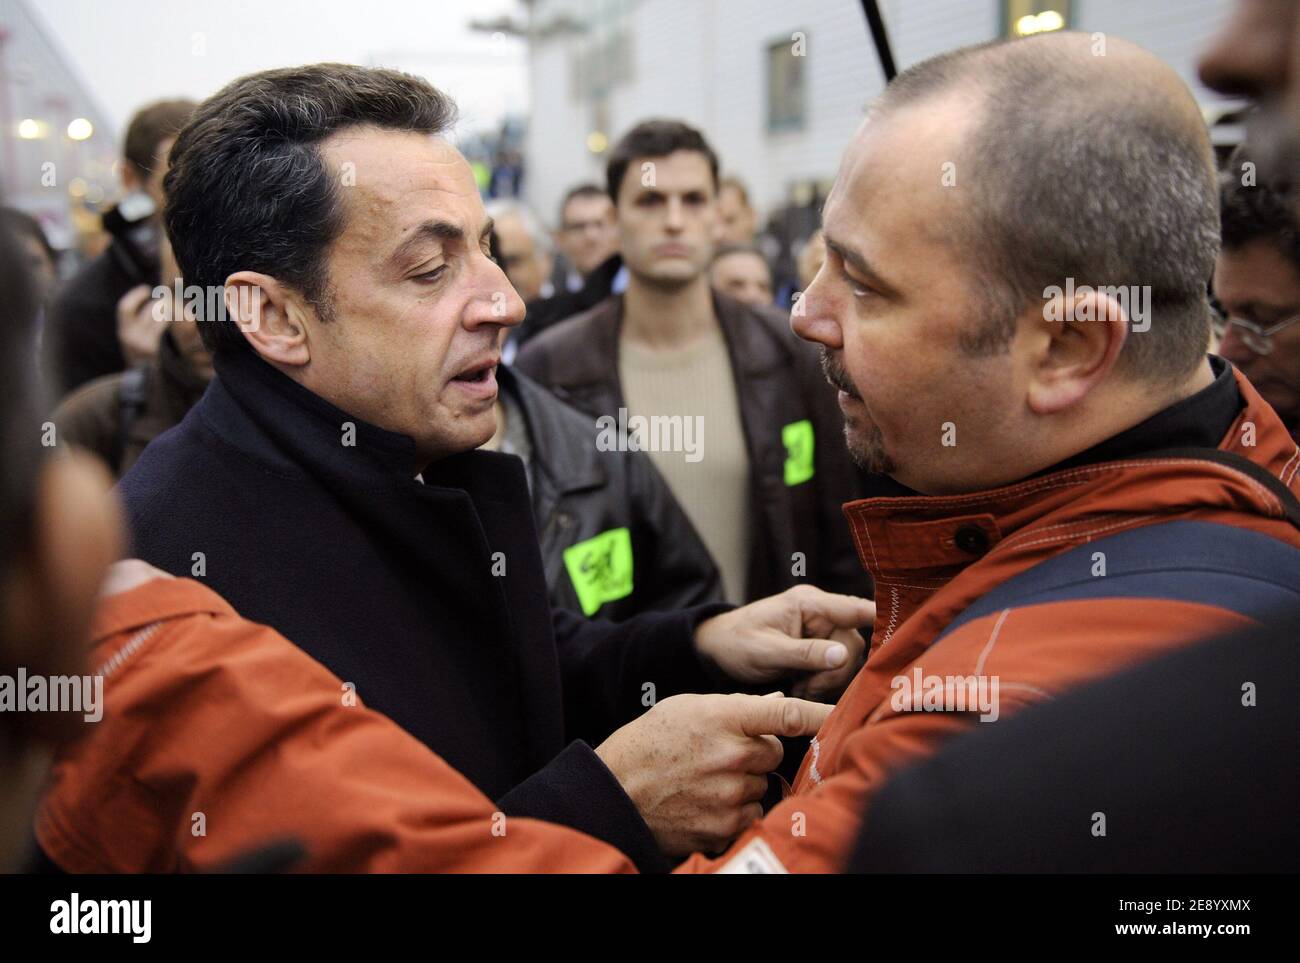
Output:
x,y
247,189
655,138
1261,211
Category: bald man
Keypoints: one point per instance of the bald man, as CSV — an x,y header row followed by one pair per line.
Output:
x,y
1013,306
523,248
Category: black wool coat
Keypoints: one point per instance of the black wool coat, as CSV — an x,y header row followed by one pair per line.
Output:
x,y
429,598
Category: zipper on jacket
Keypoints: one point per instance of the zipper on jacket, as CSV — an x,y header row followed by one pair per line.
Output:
x,y
114,661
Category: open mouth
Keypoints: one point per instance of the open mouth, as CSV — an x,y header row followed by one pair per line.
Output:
x,y
478,374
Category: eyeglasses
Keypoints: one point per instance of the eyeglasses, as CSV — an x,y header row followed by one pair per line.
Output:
x,y
1259,339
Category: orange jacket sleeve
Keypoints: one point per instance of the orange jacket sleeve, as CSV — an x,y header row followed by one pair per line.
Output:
x,y
219,736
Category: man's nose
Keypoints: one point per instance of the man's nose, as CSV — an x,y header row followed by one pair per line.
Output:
x,y
1251,54
495,301
674,222
813,317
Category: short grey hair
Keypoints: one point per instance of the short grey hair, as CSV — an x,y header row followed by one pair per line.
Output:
x,y
499,208
1109,185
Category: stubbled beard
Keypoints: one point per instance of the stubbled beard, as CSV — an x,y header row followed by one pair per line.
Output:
x,y
869,454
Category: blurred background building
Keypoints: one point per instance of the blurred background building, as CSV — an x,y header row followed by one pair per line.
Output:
x,y
58,149
545,86
778,87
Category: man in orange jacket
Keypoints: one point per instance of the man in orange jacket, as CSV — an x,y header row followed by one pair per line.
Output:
x,y
1014,308
221,737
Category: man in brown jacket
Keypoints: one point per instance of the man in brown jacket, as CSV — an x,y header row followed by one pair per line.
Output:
x,y
731,407
117,415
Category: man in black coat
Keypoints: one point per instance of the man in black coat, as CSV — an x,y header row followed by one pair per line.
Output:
x,y
328,483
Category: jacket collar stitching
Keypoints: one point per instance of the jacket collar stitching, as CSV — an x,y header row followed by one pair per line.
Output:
x,y
1025,687
1075,476
866,530
893,616
1126,523
1043,529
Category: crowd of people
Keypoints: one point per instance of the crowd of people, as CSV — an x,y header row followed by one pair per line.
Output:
x,y
442,541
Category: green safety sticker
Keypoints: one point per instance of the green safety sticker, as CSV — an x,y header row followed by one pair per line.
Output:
x,y
601,568
798,440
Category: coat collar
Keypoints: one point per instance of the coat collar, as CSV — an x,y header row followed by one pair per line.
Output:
x,y
442,531
311,430
563,447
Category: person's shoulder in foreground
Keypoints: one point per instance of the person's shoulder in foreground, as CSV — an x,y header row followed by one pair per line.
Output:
x,y
1177,766
218,735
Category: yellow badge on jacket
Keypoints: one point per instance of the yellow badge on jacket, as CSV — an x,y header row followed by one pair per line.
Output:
x,y
601,568
798,440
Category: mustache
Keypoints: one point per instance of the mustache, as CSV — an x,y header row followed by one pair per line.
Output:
x,y
834,371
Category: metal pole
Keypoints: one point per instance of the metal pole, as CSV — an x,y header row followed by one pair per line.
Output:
x,y
878,34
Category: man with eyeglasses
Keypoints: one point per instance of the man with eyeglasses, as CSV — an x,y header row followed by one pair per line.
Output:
x,y
588,239
587,235
1257,286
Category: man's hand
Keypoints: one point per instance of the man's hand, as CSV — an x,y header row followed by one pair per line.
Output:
x,y
696,765
139,326
803,631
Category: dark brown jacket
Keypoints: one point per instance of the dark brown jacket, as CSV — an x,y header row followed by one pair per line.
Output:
x,y
117,415
779,383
